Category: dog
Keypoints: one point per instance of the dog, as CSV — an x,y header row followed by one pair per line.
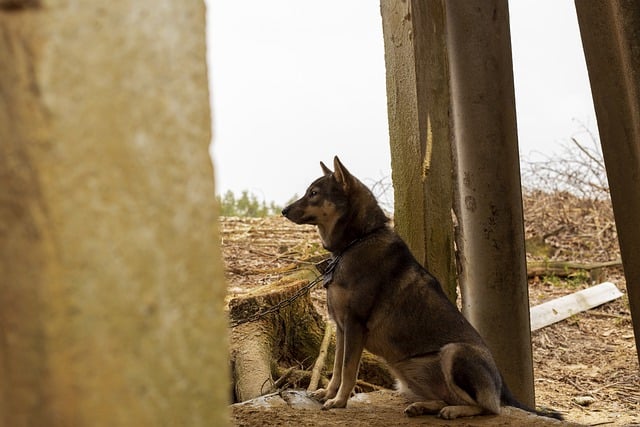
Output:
x,y
382,299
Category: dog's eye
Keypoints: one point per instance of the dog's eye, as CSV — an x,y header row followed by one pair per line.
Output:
x,y
313,193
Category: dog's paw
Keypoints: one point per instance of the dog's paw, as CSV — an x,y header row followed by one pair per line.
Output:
x,y
453,412
424,408
318,394
322,394
336,402
449,413
413,410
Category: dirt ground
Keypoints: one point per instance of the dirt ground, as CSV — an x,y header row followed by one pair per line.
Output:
x,y
378,408
585,367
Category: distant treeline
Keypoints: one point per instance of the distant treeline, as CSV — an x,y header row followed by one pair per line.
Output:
x,y
246,205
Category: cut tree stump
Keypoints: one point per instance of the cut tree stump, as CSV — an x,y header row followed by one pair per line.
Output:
x,y
263,349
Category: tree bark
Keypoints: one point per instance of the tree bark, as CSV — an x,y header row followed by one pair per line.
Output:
x,y
251,361
263,349
418,101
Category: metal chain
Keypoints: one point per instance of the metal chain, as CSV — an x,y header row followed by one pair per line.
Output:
x,y
277,307
325,267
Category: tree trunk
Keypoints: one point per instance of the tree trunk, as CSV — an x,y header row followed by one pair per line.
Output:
x,y
418,100
291,336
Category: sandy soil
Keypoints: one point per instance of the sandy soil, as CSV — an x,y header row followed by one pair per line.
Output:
x,y
379,408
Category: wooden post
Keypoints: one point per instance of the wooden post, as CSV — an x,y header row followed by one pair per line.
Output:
x,y
111,279
610,31
418,108
489,204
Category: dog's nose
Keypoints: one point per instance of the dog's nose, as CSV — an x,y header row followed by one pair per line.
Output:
x,y
285,211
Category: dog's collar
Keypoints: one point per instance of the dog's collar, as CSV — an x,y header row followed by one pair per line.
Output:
x,y
328,266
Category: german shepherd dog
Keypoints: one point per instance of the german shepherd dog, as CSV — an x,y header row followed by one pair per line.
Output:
x,y
383,300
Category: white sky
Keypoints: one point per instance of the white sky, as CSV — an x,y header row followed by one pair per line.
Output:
x,y
295,82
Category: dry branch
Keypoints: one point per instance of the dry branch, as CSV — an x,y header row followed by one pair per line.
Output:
x,y
564,269
322,356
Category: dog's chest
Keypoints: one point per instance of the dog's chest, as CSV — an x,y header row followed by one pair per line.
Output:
x,y
352,289
338,302
349,303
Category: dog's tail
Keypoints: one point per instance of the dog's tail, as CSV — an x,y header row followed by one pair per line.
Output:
x,y
508,399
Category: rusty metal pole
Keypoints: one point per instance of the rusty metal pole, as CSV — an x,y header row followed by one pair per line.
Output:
x,y
490,238
611,44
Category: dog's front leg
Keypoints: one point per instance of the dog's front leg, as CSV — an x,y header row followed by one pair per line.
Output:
x,y
353,344
332,389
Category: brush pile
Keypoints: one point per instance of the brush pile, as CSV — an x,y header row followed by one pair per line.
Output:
x,y
569,228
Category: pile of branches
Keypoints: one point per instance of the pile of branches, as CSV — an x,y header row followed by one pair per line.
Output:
x,y
577,168
564,227
568,213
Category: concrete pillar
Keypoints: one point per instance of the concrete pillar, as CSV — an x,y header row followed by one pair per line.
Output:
x,y
111,284
611,39
418,107
489,204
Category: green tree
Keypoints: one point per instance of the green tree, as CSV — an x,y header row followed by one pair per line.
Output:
x,y
227,204
247,205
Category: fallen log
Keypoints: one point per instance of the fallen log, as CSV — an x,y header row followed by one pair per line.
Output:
x,y
567,268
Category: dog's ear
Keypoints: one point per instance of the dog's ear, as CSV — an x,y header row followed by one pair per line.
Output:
x,y
341,174
325,169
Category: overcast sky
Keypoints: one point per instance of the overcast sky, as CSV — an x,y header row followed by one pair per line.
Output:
x,y
295,82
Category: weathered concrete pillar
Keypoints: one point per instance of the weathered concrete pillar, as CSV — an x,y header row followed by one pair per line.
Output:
x,y
489,203
418,107
611,38
111,283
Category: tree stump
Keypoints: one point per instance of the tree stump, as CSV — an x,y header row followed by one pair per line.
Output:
x,y
290,337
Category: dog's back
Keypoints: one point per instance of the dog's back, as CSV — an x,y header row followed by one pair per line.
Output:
x,y
407,312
